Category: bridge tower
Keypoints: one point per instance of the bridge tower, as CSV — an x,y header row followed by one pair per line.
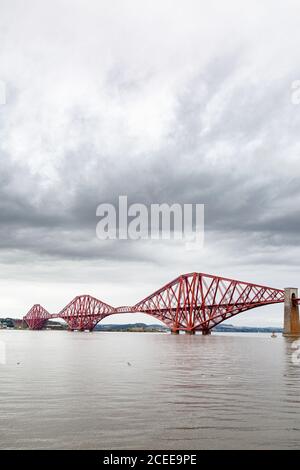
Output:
x,y
291,312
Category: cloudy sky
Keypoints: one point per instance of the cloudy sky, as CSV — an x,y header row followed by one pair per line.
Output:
x,y
164,101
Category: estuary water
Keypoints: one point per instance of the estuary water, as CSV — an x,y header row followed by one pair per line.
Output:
x,y
63,390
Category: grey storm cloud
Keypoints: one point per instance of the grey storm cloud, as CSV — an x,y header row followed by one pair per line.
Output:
x,y
239,193
100,107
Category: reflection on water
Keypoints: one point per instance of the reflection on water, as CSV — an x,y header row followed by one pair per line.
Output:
x,y
148,391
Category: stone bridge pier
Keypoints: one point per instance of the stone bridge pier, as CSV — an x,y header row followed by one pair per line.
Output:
x,y
291,312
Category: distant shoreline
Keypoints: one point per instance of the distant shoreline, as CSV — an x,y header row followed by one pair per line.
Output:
x,y
11,323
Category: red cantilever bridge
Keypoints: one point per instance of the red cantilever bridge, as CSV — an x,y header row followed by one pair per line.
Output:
x,y
191,302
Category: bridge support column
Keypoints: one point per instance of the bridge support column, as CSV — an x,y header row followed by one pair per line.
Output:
x,y
174,332
190,332
206,332
291,313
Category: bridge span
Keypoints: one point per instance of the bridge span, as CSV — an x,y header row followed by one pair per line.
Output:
x,y
191,302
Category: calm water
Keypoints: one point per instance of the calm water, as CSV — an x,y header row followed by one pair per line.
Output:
x,y
147,391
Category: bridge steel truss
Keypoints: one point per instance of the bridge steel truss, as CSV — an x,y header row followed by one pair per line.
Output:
x,y
37,317
198,302
84,312
192,302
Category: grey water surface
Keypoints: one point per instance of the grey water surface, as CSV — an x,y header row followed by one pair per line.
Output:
x,y
63,390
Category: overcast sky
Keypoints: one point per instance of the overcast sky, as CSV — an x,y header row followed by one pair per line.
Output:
x,y
163,101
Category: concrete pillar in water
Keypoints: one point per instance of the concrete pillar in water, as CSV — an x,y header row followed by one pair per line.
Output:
x,y
291,313
190,332
206,332
174,332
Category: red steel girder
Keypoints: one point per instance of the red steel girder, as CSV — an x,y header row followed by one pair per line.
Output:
x,y
84,312
198,301
191,302
37,317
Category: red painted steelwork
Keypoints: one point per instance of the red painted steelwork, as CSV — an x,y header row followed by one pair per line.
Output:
x,y
84,312
192,302
198,302
36,317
